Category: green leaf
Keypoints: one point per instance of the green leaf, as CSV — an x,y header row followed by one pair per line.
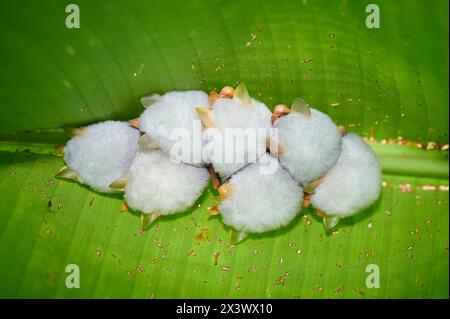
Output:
x,y
381,83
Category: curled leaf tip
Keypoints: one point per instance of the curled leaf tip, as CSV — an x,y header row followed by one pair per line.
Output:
x,y
241,95
237,236
148,100
300,106
66,173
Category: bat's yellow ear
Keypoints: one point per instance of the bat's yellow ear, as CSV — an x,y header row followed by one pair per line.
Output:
x,y
147,143
74,131
329,222
241,95
206,116
237,236
147,220
311,187
66,173
148,100
300,106
119,184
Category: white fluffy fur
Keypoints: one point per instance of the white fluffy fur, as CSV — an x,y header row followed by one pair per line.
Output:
x,y
157,185
228,113
175,110
102,153
261,202
353,184
311,145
